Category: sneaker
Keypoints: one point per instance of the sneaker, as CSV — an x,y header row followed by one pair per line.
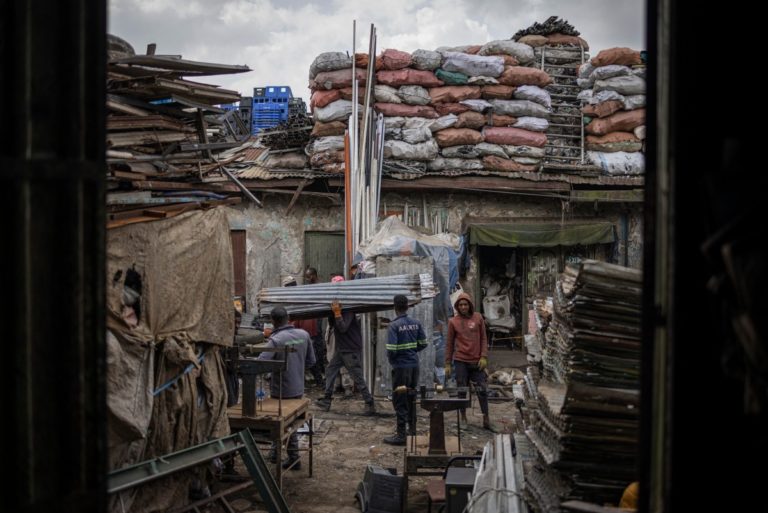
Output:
x,y
324,403
396,439
292,464
370,409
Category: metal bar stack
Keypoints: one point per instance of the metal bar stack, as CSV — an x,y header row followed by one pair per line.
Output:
x,y
499,482
366,295
584,425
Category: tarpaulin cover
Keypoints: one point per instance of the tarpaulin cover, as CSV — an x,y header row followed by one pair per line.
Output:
x,y
165,375
541,235
185,263
395,238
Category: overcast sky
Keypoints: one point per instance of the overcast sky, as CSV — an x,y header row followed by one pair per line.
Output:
x,y
278,40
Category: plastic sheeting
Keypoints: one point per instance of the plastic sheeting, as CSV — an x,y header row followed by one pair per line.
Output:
x,y
394,238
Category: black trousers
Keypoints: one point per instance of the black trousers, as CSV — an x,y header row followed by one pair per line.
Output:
x,y
403,402
466,372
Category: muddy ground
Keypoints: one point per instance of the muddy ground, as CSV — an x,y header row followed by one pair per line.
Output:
x,y
346,441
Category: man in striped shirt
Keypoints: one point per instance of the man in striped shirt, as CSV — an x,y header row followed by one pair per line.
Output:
x,y
405,338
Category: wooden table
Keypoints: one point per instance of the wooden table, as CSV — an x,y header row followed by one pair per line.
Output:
x,y
274,422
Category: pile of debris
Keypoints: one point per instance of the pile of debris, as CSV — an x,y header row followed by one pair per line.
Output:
x,y
584,419
286,141
166,132
613,98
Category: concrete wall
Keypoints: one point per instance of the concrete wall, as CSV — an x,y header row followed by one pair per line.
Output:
x,y
275,240
459,205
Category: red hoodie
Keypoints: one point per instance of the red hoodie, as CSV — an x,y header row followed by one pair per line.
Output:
x,y
467,341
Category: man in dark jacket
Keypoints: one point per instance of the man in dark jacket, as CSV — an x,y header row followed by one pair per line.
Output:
x,y
466,352
405,338
290,383
348,354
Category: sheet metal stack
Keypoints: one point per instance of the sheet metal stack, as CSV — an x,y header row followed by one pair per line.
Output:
x,y
585,425
367,295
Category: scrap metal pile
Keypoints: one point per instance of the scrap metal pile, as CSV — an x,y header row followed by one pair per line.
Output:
x,y
582,417
365,295
165,130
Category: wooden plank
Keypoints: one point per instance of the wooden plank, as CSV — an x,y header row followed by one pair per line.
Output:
x,y
126,109
147,121
123,198
127,175
156,185
175,208
144,137
295,196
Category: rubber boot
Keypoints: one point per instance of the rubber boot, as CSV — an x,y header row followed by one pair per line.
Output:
x,y
370,409
487,423
398,438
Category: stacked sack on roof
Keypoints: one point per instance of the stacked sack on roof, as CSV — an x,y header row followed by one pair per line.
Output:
x,y
614,108
330,79
459,109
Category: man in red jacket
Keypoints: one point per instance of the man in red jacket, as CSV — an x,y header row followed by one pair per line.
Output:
x,y
466,351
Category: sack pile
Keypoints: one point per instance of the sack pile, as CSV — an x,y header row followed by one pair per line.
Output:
x,y
613,103
462,109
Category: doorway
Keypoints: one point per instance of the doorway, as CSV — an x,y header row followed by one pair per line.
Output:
x,y
325,252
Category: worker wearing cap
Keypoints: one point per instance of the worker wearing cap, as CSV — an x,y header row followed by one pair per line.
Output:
x,y
405,338
348,354
290,383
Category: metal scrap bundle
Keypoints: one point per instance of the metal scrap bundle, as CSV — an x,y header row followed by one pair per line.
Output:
x,y
584,423
366,295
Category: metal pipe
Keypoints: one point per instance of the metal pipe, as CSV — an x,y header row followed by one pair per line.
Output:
x,y
242,187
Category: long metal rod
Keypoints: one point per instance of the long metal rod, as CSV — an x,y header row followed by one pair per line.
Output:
x,y
242,187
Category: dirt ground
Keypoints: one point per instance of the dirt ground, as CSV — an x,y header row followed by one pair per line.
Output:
x,y
346,441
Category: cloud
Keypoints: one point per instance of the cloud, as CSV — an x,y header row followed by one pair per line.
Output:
x,y
279,40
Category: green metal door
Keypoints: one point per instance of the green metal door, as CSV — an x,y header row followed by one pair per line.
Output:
x,y
325,252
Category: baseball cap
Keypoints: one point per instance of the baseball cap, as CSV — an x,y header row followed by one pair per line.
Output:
x,y
337,279
288,280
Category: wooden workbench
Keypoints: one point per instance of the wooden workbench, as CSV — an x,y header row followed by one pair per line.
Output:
x,y
275,421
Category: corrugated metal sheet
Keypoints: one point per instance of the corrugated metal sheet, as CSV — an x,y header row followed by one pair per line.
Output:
x,y
263,173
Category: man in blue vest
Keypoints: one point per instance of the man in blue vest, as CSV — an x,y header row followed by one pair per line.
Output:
x,y
290,383
405,338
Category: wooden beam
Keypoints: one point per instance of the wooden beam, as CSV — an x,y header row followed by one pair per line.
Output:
x,y
296,196
156,185
466,182
175,208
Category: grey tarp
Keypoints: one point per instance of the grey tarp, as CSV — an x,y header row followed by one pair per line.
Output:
x,y
541,235
185,267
